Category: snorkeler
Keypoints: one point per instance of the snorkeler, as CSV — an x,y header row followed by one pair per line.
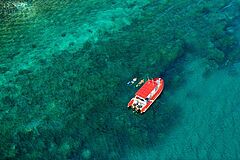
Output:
x,y
140,83
132,81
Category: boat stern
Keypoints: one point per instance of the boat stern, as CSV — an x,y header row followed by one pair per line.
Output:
x,y
137,105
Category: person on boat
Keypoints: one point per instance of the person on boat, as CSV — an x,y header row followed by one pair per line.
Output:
x,y
140,83
135,104
137,109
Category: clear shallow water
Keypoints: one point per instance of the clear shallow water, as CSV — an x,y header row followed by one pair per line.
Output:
x,y
64,68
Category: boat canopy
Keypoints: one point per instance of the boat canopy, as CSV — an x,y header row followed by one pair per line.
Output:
x,y
146,89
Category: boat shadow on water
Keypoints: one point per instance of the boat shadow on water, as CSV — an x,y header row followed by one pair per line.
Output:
x,y
157,122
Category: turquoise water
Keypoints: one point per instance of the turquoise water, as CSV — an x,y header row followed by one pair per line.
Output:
x,y
64,68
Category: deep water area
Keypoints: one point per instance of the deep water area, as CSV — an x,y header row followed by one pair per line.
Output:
x,y
64,68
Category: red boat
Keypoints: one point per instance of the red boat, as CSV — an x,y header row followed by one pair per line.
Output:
x,y
146,95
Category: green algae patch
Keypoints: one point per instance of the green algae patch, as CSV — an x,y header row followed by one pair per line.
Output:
x,y
171,52
86,154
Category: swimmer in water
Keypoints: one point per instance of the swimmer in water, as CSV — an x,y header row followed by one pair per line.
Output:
x,y
132,81
140,83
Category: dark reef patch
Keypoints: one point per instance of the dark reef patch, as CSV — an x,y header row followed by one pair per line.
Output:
x,y
64,34
34,46
3,69
8,101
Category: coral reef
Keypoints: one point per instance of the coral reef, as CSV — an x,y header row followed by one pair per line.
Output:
x,y
65,65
